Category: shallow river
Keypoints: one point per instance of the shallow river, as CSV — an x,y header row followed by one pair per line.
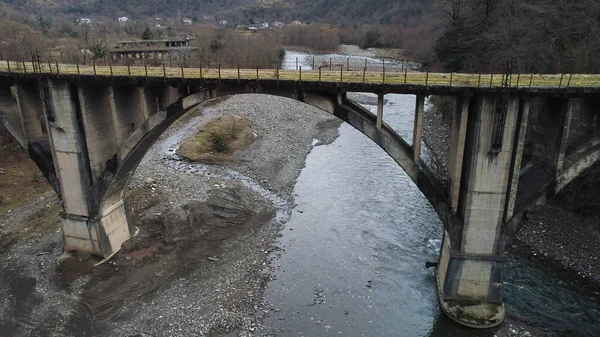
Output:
x,y
357,243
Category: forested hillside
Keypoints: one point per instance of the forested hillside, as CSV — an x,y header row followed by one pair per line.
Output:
x,y
453,35
544,36
342,12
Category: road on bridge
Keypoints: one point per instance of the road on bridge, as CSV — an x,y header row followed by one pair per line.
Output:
x,y
325,76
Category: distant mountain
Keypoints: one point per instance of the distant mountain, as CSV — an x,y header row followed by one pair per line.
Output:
x,y
344,12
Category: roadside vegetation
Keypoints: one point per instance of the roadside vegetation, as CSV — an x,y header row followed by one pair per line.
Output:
x,y
218,140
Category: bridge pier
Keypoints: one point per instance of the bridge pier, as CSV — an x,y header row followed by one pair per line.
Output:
x,y
380,111
563,135
471,261
9,115
77,157
31,112
457,147
418,128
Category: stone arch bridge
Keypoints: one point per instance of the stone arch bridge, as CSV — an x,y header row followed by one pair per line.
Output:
x,y
87,129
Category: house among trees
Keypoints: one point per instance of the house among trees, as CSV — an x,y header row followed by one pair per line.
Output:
x,y
123,19
150,49
85,21
187,21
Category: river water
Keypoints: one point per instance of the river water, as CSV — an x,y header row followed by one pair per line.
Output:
x,y
357,242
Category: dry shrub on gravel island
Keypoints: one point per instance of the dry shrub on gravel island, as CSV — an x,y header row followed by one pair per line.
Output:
x,y
218,140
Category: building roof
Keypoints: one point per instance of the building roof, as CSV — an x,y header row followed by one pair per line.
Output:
x,y
155,41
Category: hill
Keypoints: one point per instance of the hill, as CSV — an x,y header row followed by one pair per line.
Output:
x,y
341,12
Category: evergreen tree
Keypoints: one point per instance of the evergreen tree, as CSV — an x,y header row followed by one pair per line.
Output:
x,y
147,34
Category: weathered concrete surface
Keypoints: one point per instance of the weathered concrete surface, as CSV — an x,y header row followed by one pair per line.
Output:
x,y
472,290
457,147
577,162
584,122
68,149
521,132
418,129
30,107
97,106
9,115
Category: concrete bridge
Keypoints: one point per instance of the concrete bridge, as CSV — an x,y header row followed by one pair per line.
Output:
x,y
88,127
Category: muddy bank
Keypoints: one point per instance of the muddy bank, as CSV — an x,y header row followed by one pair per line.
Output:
x,y
199,263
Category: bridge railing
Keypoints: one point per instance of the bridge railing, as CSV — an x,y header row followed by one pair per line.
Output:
x,y
342,75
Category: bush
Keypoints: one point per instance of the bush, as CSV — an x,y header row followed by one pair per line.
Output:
x,y
219,142
371,38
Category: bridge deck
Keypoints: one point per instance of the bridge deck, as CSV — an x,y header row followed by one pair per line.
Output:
x,y
535,83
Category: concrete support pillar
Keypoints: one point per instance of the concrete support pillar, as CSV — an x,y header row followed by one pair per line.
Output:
x,y
78,132
418,128
129,110
10,116
457,147
150,99
32,113
563,136
522,123
98,118
379,111
472,288
143,103
68,147
71,164
168,97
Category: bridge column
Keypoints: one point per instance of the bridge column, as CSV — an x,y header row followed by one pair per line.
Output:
x,y
10,116
379,111
471,260
522,123
418,128
32,114
82,138
457,147
563,136
71,164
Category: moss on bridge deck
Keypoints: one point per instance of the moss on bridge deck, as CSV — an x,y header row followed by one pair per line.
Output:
x,y
325,76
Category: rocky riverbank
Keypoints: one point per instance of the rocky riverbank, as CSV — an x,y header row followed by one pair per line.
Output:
x,y
565,240
198,265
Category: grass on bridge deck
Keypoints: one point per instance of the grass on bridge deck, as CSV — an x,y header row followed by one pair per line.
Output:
x,y
329,76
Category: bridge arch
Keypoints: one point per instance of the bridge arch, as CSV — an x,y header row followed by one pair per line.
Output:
x,y
79,135
135,147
